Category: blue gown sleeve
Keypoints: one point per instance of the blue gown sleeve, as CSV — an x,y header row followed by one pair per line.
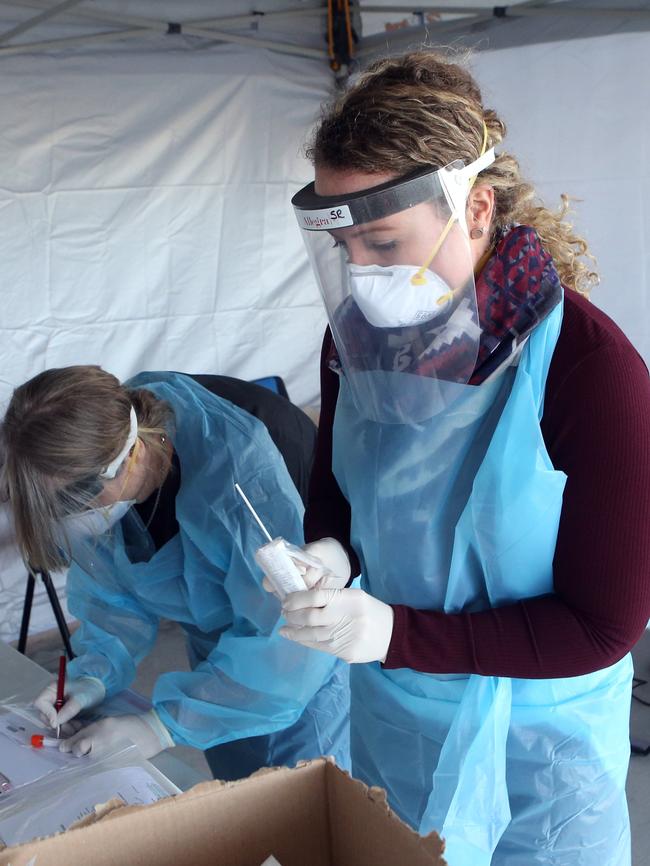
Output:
x,y
115,634
254,681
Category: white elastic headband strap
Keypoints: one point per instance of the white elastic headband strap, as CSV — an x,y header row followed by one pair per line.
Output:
x,y
111,470
457,182
480,164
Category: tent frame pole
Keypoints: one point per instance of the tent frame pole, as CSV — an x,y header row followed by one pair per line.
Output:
x,y
58,9
530,8
143,25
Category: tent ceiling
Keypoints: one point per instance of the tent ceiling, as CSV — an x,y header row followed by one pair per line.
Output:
x,y
482,24
299,27
29,25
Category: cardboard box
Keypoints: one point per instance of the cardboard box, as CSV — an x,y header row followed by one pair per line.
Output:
x,y
314,815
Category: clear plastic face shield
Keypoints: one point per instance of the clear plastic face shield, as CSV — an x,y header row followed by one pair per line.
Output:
x,y
395,269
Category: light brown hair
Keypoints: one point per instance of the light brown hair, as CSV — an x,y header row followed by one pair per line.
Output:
x,y
423,109
61,429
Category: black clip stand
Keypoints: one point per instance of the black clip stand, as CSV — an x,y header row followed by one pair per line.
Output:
x,y
56,609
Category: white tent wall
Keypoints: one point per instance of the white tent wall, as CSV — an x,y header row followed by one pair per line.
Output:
x,y
145,213
577,121
145,221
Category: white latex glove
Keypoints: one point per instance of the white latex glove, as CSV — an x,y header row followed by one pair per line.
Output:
x,y
332,573
336,569
146,731
80,694
347,623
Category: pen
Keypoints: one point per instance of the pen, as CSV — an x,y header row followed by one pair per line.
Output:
x,y
60,690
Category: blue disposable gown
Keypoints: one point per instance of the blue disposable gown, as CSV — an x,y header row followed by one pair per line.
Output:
x,y
460,512
246,681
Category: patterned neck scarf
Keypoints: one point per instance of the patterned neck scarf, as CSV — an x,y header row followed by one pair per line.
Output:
x,y
516,290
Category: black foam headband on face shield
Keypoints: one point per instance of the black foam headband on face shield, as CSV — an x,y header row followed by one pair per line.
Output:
x,y
316,212
450,184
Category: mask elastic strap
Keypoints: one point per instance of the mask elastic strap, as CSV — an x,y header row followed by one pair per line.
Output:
x,y
418,279
485,159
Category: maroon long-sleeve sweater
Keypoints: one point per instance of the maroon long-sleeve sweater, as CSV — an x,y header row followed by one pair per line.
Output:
x,y
596,426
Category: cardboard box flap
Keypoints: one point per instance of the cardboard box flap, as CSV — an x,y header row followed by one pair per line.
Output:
x,y
237,824
102,810
314,815
361,820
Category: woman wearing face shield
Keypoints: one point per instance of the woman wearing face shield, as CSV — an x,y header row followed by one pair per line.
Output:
x,y
133,486
483,462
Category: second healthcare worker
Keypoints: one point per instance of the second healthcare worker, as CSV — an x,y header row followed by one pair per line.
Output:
x,y
135,484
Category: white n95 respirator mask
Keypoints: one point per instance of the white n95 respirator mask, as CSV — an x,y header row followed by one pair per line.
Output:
x,y
97,521
398,296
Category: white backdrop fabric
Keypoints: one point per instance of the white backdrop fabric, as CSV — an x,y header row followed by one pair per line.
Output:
x,y
144,213
145,222
145,219
578,122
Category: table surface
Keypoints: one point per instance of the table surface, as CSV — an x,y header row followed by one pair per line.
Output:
x,y
20,675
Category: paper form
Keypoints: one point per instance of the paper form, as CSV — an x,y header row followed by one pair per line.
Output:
x,y
51,790
28,819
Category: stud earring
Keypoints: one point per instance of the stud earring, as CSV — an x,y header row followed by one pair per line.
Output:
x,y
477,233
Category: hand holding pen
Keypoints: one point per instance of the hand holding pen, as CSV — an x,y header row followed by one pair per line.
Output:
x,y
72,694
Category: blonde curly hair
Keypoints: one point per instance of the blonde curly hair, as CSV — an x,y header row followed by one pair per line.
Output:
x,y
423,109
